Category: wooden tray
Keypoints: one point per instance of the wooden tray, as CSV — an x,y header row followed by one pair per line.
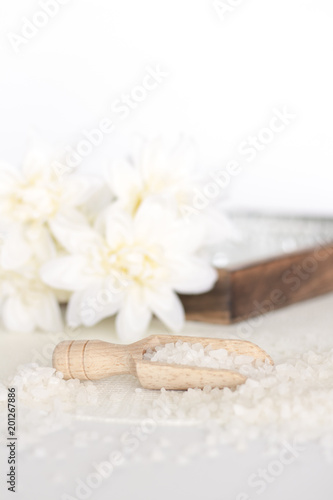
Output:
x,y
252,290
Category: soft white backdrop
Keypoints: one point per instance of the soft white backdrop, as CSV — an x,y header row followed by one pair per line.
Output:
x,y
225,76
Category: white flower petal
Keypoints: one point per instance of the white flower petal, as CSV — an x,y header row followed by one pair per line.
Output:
x,y
123,180
193,275
48,314
41,239
9,178
167,306
97,203
118,227
73,231
106,309
171,171
73,316
15,250
134,316
17,316
67,273
155,220
153,162
185,238
90,306
79,189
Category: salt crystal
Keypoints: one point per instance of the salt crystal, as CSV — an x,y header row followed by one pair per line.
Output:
x,y
292,399
218,353
242,360
183,353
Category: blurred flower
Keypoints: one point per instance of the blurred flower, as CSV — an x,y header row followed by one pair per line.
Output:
x,y
34,196
175,175
131,266
153,171
129,259
33,202
26,303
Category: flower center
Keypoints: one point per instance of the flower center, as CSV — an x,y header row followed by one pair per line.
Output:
x,y
135,263
28,287
34,201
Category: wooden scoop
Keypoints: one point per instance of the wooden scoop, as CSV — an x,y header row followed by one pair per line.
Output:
x,y
95,359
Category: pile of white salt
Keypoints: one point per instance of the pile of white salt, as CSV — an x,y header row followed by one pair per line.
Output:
x,y
289,400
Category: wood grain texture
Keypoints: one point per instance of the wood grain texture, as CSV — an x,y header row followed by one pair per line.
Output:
x,y
95,359
262,287
176,377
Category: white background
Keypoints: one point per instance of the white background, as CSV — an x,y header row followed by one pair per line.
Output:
x,y
225,76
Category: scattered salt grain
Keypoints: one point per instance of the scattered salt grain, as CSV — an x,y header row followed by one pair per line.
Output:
x,y
47,401
292,400
289,400
184,353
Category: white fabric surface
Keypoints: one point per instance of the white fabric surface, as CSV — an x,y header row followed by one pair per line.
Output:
x,y
50,465
290,331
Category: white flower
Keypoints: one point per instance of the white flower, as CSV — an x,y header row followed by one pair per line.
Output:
x,y
176,175
35,198
131,266
154,172
33,203
26,302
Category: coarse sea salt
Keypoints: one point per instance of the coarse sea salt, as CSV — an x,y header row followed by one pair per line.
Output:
x,y
46,401
289,400
184,353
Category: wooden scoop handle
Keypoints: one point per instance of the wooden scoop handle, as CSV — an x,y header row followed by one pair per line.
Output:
x,y
92,359
95,359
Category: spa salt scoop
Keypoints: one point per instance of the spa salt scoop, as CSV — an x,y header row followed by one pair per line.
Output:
x,y
96,359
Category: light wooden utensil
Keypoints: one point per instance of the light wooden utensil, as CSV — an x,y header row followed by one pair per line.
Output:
x,y
95,359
